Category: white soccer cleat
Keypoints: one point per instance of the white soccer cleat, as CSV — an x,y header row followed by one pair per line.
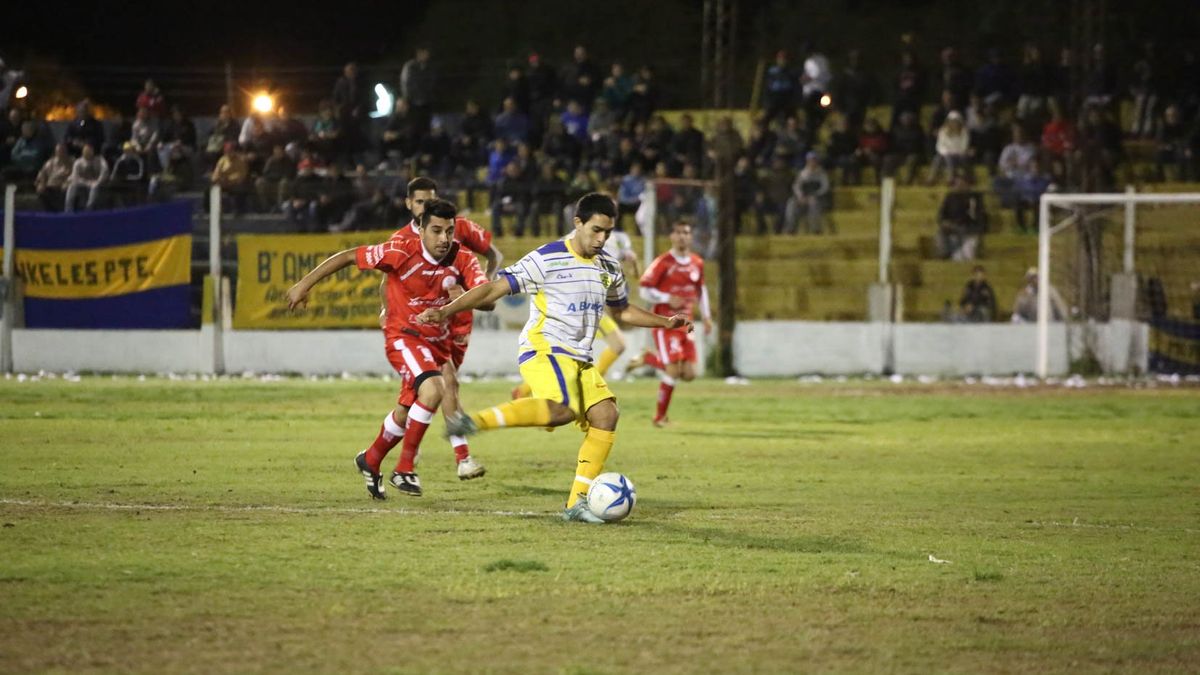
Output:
x,y
469,468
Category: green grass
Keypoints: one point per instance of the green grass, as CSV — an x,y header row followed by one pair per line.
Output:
x,y
165,526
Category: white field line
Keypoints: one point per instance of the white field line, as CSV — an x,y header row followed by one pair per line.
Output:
x,y
266,508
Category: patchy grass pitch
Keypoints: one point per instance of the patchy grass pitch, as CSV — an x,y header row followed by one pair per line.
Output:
x,y
219,526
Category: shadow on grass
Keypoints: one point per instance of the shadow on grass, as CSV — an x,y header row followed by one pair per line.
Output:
x,y
807,544
789,434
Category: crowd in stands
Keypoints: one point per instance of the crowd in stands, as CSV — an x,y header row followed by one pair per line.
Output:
x,y
558,132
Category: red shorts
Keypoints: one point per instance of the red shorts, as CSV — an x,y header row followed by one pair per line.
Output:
x,y
673,346
458,349
411,356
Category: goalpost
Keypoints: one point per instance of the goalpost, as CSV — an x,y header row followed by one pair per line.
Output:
x,y
1098,225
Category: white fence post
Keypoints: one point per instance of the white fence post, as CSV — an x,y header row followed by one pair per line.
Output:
x,y
8,282
887,198
1043,299
1130,228
214,274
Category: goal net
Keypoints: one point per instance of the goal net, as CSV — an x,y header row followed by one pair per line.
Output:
x,y
1109,264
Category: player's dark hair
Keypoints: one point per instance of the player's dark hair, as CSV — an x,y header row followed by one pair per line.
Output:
x,y
595,203
681,223
421,183
438,208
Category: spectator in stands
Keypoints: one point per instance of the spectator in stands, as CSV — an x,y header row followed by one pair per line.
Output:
x,y
810,193
510,197
953,148
285,129
745,187
643,103
1174,142
910,87
853,91
946,105
334,198
994,81
26,157
232,173
433,152
476,128
962,220
273,184
225,130
841,152
89,173
352,101
687,145
127,180
1025,304
398,138
1143,89
581,79
177,129
907,148
151,100
575,121
516,87
815,83
548,197
1034,86
794,140
873,145
603,126
178,174
983,127
511,124
52,179
629,192
527,163
255,141
726,141
781,87
1098,150
617,91
10,131
144,134
956,77
301,204
1100,85
560,147
1013,163
417,82
760,147
977,304
121,131
773,198
85,129
685,200
325,138
370,207
543,90
499,157
1058,143
1027,192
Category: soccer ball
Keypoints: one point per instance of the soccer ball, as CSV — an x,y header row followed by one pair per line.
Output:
x,y
611,496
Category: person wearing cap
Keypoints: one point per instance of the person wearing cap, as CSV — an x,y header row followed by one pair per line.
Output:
x,y
128,178
953,148
809,193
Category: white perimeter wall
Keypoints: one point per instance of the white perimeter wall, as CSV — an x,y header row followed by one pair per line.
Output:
x,y
761,349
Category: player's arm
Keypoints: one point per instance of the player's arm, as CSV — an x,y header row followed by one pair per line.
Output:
x,y
636,316
486,294
494,258
705,309
297,295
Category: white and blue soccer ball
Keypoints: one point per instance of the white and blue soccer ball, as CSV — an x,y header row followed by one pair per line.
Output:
x,y
611,496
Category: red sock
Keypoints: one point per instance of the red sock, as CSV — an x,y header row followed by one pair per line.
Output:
x,y
459,443
390,434
665,388
653,361
419,418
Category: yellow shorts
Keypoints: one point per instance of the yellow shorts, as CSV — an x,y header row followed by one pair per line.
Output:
x,y
607,325
575,384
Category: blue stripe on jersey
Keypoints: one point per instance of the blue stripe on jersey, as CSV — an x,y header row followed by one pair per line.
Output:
x,y
623,302
512,283
553,247
575,281
525,357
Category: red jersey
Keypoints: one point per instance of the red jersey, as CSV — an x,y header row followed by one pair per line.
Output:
x,y
416,282
675,276
471,236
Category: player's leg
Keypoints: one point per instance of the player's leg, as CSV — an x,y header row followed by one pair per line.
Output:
x,y
614,343
602,415
367,462
430,389
672,354
467,467
550,403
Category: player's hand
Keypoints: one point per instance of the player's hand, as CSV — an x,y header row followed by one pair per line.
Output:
x,y
383,317
297,297
708,326
679,321
432,315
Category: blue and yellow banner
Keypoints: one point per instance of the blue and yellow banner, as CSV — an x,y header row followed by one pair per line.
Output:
x,y
128,268
1174,346
269,264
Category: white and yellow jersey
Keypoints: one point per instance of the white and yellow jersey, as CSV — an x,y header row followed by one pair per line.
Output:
x,y
568,296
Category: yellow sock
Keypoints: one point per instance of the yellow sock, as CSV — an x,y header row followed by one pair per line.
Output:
x,y
607,358
592,454
523,412
522,391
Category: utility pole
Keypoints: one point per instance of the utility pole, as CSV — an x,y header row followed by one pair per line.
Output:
x,y
716,77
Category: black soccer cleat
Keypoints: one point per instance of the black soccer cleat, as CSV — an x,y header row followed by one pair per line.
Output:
x,y
374,479
407,483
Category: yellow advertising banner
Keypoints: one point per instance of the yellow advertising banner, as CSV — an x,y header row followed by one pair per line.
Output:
x,y
58,274
268,264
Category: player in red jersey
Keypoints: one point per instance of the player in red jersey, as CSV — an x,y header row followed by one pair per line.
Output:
x,y
420,273
674,284
421,191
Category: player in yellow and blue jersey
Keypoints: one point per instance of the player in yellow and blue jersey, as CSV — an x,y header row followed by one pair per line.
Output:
x,y
571,282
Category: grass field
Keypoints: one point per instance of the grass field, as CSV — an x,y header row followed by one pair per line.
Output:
x,y
166,526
